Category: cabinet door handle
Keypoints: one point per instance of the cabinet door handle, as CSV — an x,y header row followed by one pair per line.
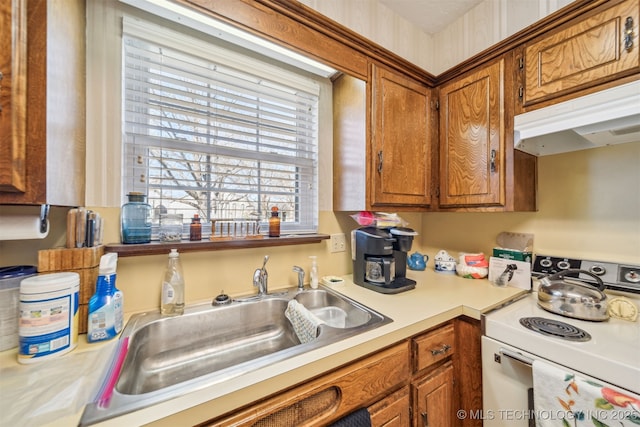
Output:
x,y
441,350
425,419
380,161
493,160
628,33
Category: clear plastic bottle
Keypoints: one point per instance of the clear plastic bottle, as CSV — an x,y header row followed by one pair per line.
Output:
x,y
314,273
172,298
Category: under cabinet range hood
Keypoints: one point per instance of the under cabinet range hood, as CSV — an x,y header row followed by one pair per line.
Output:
x,y
608,117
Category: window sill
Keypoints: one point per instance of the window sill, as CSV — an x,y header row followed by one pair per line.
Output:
x,y
158,248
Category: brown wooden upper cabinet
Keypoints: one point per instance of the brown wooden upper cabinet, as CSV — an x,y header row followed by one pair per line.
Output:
x,y
382,142
597,48
42,122
472,130
479,168
13,94
400,140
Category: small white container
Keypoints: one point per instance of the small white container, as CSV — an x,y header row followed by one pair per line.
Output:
x,y
48,323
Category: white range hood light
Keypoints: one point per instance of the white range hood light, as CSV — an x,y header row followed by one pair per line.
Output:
x,y
608,117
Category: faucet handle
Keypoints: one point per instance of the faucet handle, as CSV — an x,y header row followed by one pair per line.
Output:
x,y
300,272
257,279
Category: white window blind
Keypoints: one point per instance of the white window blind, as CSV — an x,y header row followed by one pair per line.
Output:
x,y
211,132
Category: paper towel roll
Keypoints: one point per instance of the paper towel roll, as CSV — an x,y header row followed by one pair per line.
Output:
x,y
21,227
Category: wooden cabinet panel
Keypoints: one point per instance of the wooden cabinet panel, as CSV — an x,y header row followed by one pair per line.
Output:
x,y
332,396
589,52
435,399
472,131
392,411
13,94
468,369
383,133
53,159
400,140
433,347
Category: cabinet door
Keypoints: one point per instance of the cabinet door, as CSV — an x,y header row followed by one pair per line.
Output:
x,y
13,94
52,158
392,411
472,132
434,398
401,149
592,51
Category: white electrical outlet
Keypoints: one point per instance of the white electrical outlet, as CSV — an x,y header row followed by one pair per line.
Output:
x,y
338,243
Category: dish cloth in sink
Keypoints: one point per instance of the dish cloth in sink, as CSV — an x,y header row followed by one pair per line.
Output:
x,y
305,323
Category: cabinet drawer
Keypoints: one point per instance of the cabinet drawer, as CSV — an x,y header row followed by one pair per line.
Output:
x,y
433,347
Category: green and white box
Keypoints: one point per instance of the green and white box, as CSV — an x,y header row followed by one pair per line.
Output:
x,y
513,254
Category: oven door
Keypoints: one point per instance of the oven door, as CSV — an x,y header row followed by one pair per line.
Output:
x,y
507,386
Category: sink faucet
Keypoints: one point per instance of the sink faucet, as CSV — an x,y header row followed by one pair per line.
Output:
x,y
260,278
300,272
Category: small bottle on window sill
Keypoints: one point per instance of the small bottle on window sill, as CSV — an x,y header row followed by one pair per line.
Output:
x,y
274,223
195,229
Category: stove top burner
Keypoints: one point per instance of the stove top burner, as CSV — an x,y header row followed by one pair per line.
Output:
x,y
555,328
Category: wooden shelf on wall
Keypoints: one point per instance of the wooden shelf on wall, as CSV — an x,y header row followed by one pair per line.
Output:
x,y
159,248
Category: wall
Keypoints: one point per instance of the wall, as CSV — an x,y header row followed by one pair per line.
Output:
x,y
379,24
486,24
589,207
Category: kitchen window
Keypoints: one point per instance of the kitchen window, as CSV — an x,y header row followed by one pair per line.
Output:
x,y
211,132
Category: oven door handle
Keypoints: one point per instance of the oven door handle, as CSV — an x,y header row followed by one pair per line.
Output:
x,y
516,356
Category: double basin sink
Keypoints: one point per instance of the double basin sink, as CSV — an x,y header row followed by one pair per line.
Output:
x,y
209,344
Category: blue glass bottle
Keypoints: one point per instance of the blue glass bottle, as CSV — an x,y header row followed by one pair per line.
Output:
x,y
136,219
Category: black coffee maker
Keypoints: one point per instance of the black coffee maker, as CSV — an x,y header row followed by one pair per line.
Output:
x,y
380,262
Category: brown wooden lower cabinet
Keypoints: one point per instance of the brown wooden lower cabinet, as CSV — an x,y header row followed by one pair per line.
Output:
x,y
330,397
412,383
434,398
392,411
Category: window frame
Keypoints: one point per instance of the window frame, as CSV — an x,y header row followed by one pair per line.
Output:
x,y
104,60
253,77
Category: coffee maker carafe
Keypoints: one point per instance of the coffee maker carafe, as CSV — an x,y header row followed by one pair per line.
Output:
x,y
380,262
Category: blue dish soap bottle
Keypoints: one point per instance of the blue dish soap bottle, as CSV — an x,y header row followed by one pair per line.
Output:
x,y
106,317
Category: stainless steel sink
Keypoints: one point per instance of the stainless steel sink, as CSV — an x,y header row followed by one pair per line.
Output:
x,y
207,345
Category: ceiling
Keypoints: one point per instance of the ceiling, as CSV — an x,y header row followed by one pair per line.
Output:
x,y
431,16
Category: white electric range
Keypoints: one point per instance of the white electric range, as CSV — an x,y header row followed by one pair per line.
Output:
x,y
610,355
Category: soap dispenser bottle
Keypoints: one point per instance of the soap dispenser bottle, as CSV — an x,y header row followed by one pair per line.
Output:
x,y
172,299
314,273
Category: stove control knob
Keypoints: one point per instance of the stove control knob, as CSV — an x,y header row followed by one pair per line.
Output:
x,y
632,276
598,270
546,263
563,265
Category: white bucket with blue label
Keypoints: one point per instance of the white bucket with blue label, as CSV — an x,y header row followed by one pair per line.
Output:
x,y
48,325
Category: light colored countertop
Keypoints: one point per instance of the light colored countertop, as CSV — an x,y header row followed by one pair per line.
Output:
x,y
437,298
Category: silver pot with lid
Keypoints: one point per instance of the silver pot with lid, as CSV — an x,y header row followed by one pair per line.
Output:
x,y
571,297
